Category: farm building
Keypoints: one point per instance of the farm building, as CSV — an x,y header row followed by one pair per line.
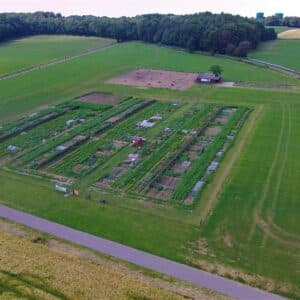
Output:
x,y
208,78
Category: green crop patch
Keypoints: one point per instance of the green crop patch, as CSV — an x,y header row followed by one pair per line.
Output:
x,y
162,151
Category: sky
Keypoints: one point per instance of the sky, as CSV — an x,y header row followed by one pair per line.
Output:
x,y
117,8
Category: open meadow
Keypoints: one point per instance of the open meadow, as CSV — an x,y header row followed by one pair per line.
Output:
x,y
36,50
283,51
206,176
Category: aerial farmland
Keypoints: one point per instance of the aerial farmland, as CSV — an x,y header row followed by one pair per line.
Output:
x,y
119,140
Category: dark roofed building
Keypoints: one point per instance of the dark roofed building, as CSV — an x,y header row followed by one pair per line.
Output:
x,y
208,78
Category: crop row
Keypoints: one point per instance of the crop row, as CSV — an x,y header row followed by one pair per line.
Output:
x,y
86,153
43,132
85,128
93,128
200,166
131,180
172,156
29,124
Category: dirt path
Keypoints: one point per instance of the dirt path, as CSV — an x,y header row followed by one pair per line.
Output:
x,y
140,258
275,67
55,62
214,189
269,233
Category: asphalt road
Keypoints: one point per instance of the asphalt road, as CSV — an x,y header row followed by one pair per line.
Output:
x,y
137,257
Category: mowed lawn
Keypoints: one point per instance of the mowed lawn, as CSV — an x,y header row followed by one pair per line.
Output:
x,y
254,226
27,52
256,222
281,52
62,82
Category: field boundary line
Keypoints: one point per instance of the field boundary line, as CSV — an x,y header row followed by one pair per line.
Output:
x,y
274,67
221,178
55,62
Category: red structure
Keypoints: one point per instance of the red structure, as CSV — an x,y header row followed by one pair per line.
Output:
x,y
138,142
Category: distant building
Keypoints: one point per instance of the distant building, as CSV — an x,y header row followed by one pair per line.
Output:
x,y
279,16
208,78
260,16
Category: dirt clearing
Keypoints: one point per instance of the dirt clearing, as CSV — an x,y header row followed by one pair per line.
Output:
x,y
156,78
99,98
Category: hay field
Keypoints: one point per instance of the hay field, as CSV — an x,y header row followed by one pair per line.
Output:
x,y
51,275
293,34
66,271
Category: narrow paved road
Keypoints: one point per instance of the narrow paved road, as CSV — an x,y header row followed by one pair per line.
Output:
x,y
54,62
140,258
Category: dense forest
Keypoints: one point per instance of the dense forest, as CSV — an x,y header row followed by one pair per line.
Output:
x,y
216,33
287,21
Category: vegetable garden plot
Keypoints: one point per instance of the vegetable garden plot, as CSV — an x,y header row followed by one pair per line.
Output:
x,y
97,124
42,133
145,172
173,174
159,150
99,150
131,156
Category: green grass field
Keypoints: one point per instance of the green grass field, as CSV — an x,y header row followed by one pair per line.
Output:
x,y
41,49
247,218
62,82
279,29
281,52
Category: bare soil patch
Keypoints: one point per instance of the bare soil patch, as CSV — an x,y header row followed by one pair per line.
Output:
x,y
189,200
193,155
99,98
105,182
228,241
168,182
212,131
160,194
146,203
179,168
119,144
156,78
78,168
222,119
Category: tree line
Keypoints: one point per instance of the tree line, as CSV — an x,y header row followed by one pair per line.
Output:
x,y
216,33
